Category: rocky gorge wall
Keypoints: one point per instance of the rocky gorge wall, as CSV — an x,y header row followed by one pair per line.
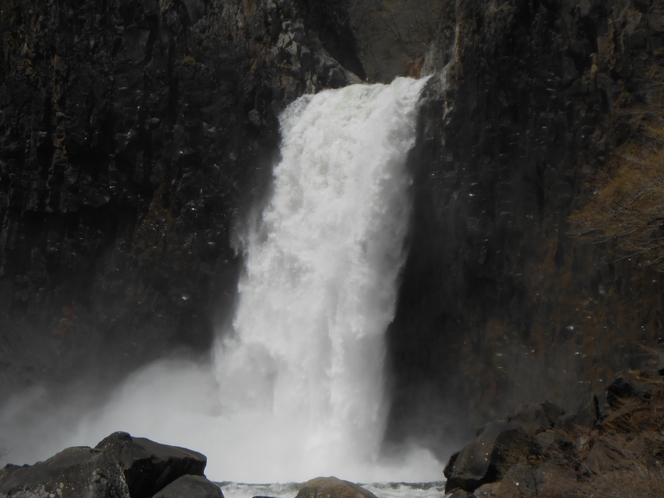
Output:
x,y
134,137
500,304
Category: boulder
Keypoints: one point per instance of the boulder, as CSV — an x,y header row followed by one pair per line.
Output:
x,y
528,481
552,411
532,419
331,487
148,466
73,473
627,385
190,487
604,458
488,490
460,493
585,416
480,462
553,443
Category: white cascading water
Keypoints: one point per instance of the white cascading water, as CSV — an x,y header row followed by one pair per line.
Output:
x,y
321,280
296,391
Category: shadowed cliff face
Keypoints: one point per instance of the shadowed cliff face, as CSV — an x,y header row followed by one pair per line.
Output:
x,y
134,136
499,304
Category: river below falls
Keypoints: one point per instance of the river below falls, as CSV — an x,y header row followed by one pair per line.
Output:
x,y
434,489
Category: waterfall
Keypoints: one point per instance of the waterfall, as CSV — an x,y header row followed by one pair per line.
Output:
x,y
306,358
296,389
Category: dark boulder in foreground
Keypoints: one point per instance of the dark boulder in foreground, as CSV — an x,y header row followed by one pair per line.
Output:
x,y
480,461
498,443
331,487
119,467
72,473
148,466
190,487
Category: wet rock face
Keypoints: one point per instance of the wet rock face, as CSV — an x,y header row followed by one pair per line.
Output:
x,y
133,137
499,304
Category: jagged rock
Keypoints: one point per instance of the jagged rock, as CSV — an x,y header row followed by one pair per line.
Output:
x,y
148,466
487,490
190,487
552,412
585,416
331,487
479,462
536,418
529,481
660,369
72,473
604,458
553,443
460,493
627,385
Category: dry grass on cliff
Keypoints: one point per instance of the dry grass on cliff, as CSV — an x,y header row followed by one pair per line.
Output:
x,y
634,438
626,211
629,210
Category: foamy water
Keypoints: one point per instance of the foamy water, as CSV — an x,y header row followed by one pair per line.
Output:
x,y
306,362
381,490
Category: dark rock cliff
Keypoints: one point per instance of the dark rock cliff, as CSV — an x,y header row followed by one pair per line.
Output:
x,y
134,135
499,303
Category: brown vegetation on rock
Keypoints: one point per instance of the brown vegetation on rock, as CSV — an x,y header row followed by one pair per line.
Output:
x,y
626,211
622,455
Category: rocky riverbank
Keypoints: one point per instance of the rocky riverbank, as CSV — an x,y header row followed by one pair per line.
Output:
x,y
122,466
611,445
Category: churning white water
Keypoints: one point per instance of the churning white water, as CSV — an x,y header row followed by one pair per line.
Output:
x,y
320,287
296,389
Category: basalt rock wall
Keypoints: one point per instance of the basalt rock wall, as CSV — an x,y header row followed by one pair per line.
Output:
x,y
134,136
500,304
